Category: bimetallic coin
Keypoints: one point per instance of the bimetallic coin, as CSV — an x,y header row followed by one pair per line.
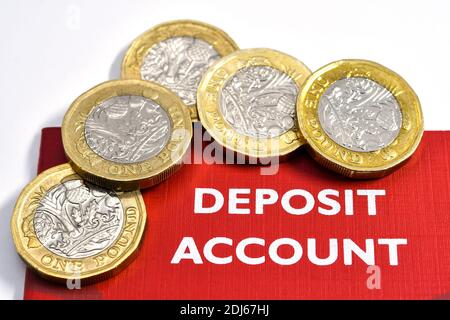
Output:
x,y
66,228
176,54
247,102
359,118
178,63
259,102
359,114
127,129
126,134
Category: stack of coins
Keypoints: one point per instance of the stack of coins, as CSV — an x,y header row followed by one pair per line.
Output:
x,y
85,219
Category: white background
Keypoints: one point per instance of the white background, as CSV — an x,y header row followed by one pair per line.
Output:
x,y
51,51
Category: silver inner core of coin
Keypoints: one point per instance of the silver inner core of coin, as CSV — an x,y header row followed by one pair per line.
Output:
x,y
78,220
259,102
127,129
359,114
179,64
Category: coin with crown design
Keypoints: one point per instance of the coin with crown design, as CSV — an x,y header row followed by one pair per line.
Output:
x,y
66,228
359,118
246,102
126,134
176,54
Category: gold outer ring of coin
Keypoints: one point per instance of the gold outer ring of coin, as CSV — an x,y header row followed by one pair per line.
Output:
x,y
350,163
208,99
120,176
131,65
49,265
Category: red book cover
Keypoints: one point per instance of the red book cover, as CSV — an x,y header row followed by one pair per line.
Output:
x,y
369,239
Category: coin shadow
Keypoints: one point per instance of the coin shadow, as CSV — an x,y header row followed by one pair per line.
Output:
x,y
115,70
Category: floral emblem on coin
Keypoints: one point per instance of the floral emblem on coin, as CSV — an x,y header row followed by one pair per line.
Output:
x,y
127,129
259,101
77,220
179,63
359,114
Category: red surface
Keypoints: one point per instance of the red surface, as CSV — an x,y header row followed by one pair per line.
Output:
x,y
416,207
